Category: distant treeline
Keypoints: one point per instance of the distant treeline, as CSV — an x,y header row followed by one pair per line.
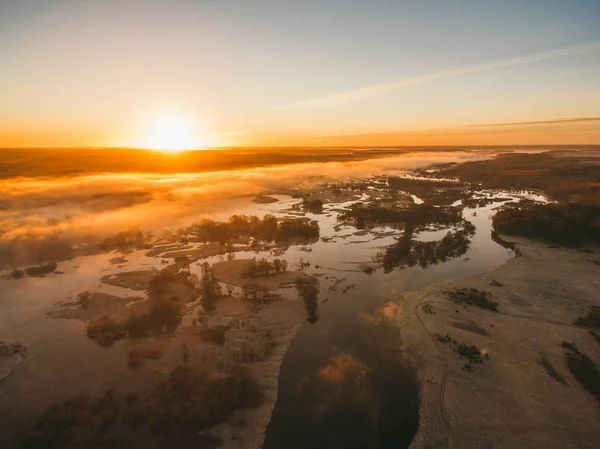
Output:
x,y
564,223
80,161
438,192
560,177
418,215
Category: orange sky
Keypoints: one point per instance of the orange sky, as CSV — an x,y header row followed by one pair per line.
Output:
x,y
298,73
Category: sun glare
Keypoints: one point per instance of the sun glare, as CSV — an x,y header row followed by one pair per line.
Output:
x,y
172,134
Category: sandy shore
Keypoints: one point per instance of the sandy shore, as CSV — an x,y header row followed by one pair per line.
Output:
x,y
246,428
509,401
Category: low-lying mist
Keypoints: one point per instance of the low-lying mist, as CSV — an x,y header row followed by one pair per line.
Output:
x,y
44,219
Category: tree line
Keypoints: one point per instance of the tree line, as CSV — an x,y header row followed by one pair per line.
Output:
x,y
567,224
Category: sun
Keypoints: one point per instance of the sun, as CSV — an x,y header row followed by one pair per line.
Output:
x,y
172,134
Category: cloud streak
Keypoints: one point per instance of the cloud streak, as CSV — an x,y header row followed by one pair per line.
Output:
x,y
349,96
539,122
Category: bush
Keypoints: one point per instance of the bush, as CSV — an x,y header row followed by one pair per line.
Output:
x,y
262,267
215,334
472,296
210,290
472,352
444,339
17,274
308,290
592,319
162,318
258,294
315,206
125,241
106,331
41,270
584,369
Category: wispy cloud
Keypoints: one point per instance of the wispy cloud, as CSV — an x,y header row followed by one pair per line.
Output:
x,y
540,122
349,96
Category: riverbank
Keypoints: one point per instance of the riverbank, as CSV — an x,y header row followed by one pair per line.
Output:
x,y
522,394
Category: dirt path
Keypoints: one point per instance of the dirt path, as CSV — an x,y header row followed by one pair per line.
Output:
x,y
442,394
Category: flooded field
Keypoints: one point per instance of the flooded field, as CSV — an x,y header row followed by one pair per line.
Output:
x,y
316,331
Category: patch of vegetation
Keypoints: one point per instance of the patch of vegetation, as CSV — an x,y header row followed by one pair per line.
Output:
x,y
585,250
262,267
214,334
472,296
570,346
368,270
472,353
162,318
126,241
136,356
550,370
595,335
495,283
17,274
566,224
315,206
294,229
592,319
160,285
583,369
210,290
430,191
308,290
408,252
429,309
266,229
365,216
444,338
258,294
40,270
560,177
187,402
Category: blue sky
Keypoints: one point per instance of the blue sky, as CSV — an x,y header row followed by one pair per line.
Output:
x,y
97,72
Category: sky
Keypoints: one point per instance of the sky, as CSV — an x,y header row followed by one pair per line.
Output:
x,y
299,72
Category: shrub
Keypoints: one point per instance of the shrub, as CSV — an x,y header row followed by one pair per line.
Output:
x,y
583,369
472,296
308,290
472,353
17,274
592,319
41,270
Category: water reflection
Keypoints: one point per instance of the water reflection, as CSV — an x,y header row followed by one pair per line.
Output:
x,y
308,290
410,252
347,386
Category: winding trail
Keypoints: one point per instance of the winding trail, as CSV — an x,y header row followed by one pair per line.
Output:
x,y
442,394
